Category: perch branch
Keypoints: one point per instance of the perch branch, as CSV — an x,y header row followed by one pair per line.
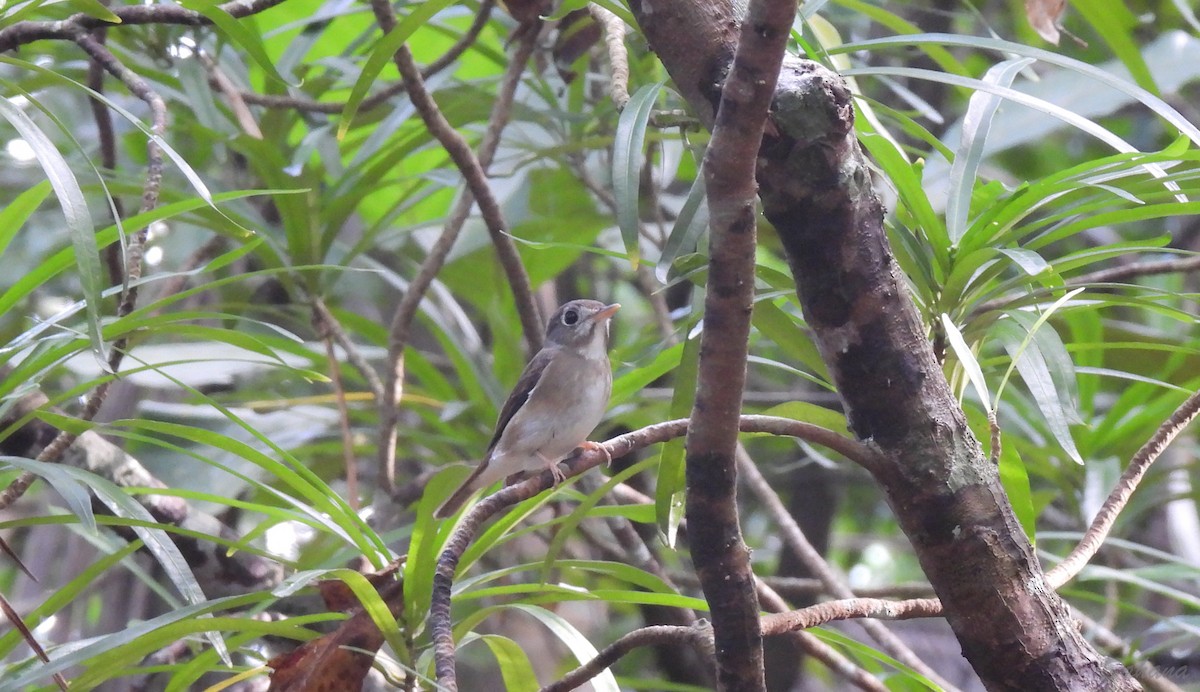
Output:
x,y
1066,570
468,526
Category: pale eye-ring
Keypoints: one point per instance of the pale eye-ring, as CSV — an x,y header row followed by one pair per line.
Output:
x,y
570,317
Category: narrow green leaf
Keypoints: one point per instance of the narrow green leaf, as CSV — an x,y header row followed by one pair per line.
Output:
x,y
629,384
574,640
1154,103
1015,479
689,225
14,216
241,32
1115,23
72,491
75,209
153,632
94,8
977,123
669,491
1031,364
627,164
966,358
515,668
1028,260
382,54
160,545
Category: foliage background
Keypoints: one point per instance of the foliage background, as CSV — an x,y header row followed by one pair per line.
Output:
x,y
232,400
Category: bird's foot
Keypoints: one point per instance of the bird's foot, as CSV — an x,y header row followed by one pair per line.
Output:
x,y
597,447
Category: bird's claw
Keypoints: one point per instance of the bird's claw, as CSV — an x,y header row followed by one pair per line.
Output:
x,y
597,447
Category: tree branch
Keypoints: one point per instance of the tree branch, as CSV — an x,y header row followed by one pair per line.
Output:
x,y
70,28
401,325
833,582
721,558
387,93
468,164
440,624
1066,570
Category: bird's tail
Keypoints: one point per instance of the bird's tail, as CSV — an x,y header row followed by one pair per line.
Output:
x,y
468,488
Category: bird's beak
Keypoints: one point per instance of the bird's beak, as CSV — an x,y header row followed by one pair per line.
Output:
x,y
607,312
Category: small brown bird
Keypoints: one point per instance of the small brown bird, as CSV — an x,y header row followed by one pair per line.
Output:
x,y
559,399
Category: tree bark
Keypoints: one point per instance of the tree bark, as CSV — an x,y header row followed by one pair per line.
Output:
x,y
816,190
721,558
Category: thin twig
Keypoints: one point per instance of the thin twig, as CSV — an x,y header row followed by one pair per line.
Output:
x,y
384,95
349,460
25,32
698,635
851,609
406,311
816,648
1066,570
795,539
348,347
107,140
1110,275
468,164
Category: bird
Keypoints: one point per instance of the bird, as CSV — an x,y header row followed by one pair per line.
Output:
x,y
557,402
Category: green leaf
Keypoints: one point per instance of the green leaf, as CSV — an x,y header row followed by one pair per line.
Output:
x,y
94,8
669,490
627,164
160,545
241,32
14,216
977,122
574,640
1032,359
75,210
73,491
515,667
382,54
689,225
1154,103
629,384
967,359
1116,25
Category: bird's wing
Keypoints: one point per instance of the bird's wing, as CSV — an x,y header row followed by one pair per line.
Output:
x,y
520,393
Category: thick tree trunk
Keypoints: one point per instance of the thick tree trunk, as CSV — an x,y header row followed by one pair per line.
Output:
x,y
816,190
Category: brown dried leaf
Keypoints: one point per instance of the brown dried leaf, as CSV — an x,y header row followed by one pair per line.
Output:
x,y
340,660
1045,16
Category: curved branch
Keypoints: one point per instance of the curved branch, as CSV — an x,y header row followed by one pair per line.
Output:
x,y
1180,265
70,28
583,460
380,97
406,311
1064,571
795,539
468,164
848,609
699,635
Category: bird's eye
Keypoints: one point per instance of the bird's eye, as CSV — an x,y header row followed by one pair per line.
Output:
x,y
570,317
